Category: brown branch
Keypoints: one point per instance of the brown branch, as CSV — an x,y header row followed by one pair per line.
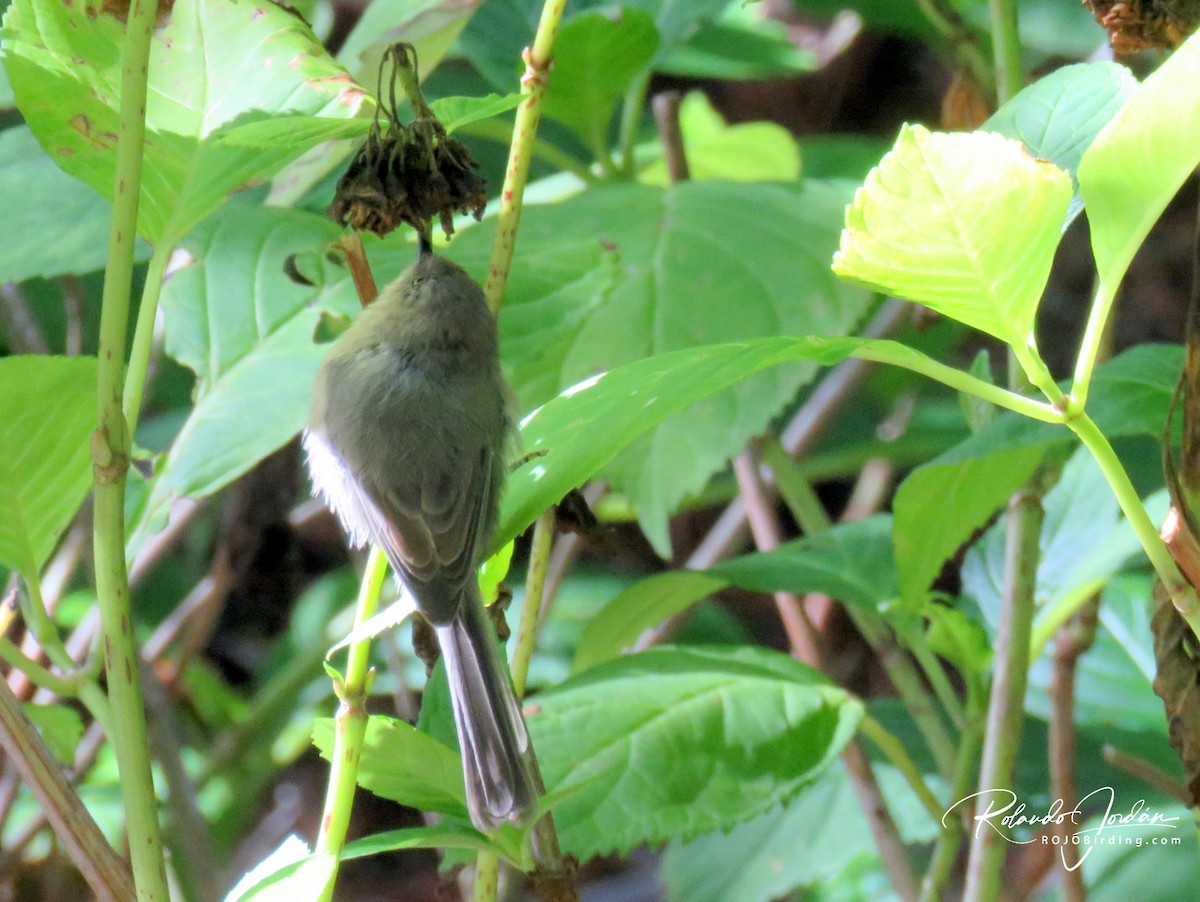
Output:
x,y
24,334
1073,639
101,867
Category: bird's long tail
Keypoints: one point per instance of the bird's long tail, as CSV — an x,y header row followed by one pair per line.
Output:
x,y
498,765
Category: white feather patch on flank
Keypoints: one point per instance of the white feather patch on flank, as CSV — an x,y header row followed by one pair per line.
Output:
x,y
336,485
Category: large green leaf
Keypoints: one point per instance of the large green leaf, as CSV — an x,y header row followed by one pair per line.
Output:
x,y
596,58
641,606
1139,160
54,226
235,318
582,429
401,763
215,64
1058,117
850,561
47,415
941,504
676,742
623,272
966,224
810,839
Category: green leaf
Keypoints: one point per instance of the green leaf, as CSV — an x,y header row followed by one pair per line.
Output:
x,y
439,837
47,415
59,227
958,497
851,562
748,152
586,426
456,112
213,65
1058,117
596,58
966,224
808,840
638,608
1140,158
676,742
61,728
624,272
235,318
401,763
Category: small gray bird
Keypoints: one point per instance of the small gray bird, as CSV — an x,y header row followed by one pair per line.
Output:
x,y
407,443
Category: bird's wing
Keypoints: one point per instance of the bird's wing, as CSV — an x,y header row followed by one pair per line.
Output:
x,y
429,529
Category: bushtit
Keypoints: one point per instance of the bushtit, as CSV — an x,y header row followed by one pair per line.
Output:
x,y
406,442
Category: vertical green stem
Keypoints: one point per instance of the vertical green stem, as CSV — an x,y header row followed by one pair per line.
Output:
x,y
945,850
110,455
533,85
535,585
1091,346
1006,48
143,335
350,723
1006,706
631,116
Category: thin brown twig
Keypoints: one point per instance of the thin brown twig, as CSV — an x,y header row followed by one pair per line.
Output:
x,y
764,525
883,827
1073,639
24,334
1148,774
73,309
666,116
105,872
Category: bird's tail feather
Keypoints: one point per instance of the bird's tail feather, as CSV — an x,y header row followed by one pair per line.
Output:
x,y
498,765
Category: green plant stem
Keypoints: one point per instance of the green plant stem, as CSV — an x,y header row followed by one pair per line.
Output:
x,y
110,457
535,585
143,335
898,355
1058,611
38,620
1183,596
796,490
903,674
936,675
350,723
65,686
945,850
487,877
533,85
1091,346
1006,48
893,749
1006,705
631,117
